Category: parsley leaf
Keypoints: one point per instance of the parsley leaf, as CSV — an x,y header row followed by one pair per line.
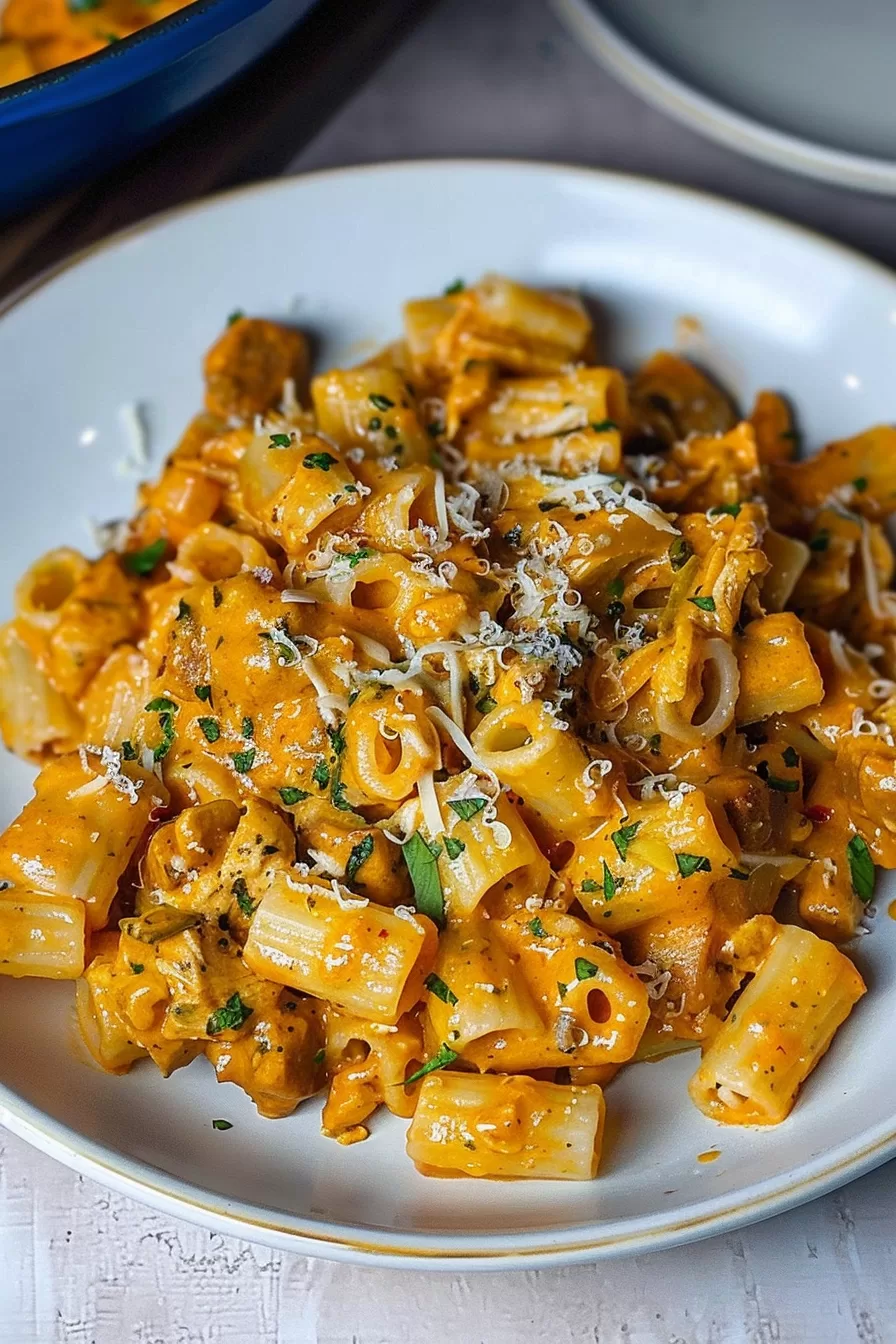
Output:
x,y
860,483
437,986
585,970
680,552
454,288
144,562
732,509
243,761
183,610
241,894
562,989
203,693
128,750
322,461
603,426
361,852
861,869
320,1056
248,727
235,316
280,441
380,402
704,603
166,710
486,704
292,796
355,557
421,864
321,774
609,883
445,1055
454,848
689,864
210,728
137,967
623,838
467,807
222,1124
589,884
230,1017
537,929
820,541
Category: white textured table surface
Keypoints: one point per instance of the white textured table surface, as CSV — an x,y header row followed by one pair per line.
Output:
x,y
81,1266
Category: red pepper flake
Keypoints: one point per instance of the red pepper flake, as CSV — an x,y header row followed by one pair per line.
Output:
x,y
818,814
383,933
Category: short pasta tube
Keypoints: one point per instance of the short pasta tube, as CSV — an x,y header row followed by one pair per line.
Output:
x,y
475,990
778,674
373,408
34,715
544,764
487,852
389,744
367,1064
41,935
777,1031
79,832
365,958
47,584
105,1032
488,1125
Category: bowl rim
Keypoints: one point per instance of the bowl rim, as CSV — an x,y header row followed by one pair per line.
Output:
x,y
574,1243
122,63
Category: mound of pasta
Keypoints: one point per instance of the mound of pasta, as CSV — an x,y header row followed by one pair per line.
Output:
x,y
451,732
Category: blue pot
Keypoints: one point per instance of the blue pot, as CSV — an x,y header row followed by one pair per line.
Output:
x,y
69,124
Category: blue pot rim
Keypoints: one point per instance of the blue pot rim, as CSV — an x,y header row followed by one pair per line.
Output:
x,y
124,62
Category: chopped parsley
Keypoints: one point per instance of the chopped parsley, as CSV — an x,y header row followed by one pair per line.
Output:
x,y
230,1017
680,552
585,970
609,883
455,287
589,884
211,729
435,429
320,1056
689,864
291,796
380,402
445,1055
732,509
453,847
820,541
203,693
319,461
321,774
424,872
248,727
280,441
436,985
861,869
144,562
623,838
562,989
241,895
243,761
537,929
235,316
653,744
704,603
137,967
166,710
486,704
790,757
467,807
603,426
774,782
354,558
183,610
616,587
359,855
223,1124
128,750
860,483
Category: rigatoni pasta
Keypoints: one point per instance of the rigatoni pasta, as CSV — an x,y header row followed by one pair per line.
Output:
x,y
451,732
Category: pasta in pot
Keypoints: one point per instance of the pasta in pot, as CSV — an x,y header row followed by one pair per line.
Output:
x,y
451,732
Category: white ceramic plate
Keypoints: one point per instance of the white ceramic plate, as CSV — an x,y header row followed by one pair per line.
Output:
x,y
806,87
340,251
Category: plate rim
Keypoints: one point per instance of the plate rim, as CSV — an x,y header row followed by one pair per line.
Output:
x,y
447,1250
714,119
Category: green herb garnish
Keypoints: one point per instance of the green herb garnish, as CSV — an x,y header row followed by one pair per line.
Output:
x,y
623,838
444,1056
144,562
229,1018
861,869
453,847
585,970
211,729
537,929
280,441
361,852
704,603
221,1124
243,761
203,693
292,796
437,986
241,894
689,864
424,871
380,402
467,807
